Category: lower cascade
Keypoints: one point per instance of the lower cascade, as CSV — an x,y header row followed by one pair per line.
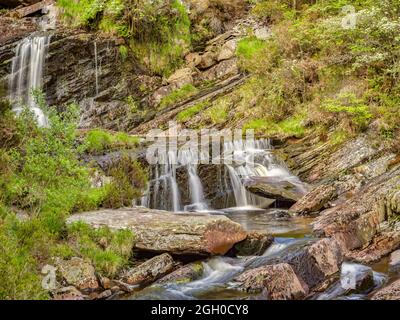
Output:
x,y
244,163
27,75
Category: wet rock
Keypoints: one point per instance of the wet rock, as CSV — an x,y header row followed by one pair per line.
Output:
x,y
162,231
316,262
282,191
315,200
254,245
228,50
390,292
277,282
69,293
380,246
356,278
149,271
78,272
394,263
187,273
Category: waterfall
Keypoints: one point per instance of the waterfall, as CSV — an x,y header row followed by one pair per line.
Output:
x,y
245,161
96,68
163,192
27,75
189,159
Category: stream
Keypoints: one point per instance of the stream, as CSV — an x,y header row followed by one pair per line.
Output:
x,y
291,233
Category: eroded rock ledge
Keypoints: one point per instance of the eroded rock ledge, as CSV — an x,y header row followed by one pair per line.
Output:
x,y
162,231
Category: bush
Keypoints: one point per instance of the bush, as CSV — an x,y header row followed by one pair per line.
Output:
x,y
98,140
128,181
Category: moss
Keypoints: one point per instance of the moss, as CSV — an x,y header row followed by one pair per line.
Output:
x,y
178,95
98,140
188,113
218,112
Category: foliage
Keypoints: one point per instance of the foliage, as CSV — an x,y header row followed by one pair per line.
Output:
x,y
98,140
128,181
108,250
42,178
158,32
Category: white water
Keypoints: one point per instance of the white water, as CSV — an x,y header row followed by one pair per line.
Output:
x,y
165,186
96,68
252,160
27,75
244,161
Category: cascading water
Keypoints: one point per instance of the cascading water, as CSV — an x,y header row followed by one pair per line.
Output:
x,y
164,192
252,160
27,75
244,161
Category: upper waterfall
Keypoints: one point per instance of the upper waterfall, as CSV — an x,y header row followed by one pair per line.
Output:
x,y
27,75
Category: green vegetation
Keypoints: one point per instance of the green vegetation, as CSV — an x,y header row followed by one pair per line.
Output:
x,y
188,113
98,140
178,95
109,251
218,113
313,70
43,180
158,32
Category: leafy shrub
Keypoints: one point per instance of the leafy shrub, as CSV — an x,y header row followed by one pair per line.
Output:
x,y
128,181
98,140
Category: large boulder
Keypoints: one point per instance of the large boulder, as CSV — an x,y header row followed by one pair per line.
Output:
x,y
78,273
390,292
163,231
254,245
149,271
315,200
316,262
276,282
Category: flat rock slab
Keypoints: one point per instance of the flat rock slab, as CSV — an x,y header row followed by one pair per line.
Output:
x,y
163,231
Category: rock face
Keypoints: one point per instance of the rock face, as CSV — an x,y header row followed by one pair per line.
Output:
x,y
254,245
162,231
317,261
390,292
354,191
276,282
150,270
78,273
